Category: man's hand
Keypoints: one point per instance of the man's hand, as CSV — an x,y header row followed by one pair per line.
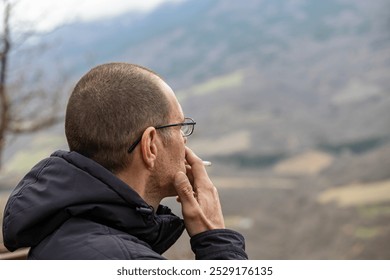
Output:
x,y
199,198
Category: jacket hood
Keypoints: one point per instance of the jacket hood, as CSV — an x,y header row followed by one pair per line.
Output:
x,y
67,185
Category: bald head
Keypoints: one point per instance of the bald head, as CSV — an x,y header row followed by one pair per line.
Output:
x,y
110,107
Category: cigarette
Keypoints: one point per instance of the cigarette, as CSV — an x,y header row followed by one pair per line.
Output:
x,y
206,163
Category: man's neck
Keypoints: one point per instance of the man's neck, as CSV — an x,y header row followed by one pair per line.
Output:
x,y
139,183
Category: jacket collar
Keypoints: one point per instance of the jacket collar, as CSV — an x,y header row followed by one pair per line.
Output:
x,y
76,186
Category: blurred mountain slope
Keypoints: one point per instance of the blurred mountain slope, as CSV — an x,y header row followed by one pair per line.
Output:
x,y
273,78
291,100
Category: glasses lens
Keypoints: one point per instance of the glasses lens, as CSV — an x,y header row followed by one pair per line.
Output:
x,y
187,129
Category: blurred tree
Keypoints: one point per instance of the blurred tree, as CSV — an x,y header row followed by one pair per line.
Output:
x,y
23,108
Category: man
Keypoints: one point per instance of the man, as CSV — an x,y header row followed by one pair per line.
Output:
x,y
126,133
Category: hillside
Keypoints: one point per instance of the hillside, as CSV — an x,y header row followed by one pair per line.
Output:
x,y
292,105
298,75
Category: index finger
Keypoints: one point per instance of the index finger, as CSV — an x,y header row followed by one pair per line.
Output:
x,y
192,159
197,168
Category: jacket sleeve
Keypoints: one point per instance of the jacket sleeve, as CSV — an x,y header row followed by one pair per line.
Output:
x,y
219,244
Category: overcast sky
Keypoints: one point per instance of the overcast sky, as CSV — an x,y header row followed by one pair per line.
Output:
x,y
46,14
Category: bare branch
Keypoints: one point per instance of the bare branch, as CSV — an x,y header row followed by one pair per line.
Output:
x,y
24,107
34,125
4,100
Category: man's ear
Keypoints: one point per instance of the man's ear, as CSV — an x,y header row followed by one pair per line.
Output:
x,y
149,146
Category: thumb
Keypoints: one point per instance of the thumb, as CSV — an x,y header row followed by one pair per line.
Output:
x,y
184,189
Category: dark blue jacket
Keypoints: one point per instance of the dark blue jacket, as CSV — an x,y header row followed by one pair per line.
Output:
x,y
70,207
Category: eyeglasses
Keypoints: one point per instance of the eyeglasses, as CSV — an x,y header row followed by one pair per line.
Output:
x,y
187,128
